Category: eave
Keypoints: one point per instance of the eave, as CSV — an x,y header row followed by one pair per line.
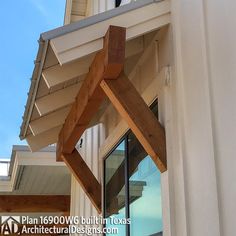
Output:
x,y
23,164
75,45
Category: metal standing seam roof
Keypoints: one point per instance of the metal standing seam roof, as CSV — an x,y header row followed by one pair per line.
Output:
x,y
43,47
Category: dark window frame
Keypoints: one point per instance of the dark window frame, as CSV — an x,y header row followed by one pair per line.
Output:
x,y
125,139
117,3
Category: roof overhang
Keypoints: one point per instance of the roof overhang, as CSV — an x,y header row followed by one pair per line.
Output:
x,y
23,158
107,78
88,38
64,58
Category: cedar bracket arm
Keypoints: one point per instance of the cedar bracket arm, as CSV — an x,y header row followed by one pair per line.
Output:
x,y
107,64
131,106
85,177
105,78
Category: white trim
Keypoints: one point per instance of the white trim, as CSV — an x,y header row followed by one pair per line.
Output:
x,y
68,10
37,159
57,100
58,74
27,158
49,121
43,139
84,41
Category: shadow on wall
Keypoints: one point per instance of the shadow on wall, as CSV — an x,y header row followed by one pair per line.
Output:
x,y
157,234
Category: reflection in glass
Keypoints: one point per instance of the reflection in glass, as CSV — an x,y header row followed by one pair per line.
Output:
x,y
132,188
144,191
115,187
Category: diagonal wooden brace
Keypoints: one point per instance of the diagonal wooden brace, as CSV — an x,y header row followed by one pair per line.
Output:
x,y
107,64
139,117
84,176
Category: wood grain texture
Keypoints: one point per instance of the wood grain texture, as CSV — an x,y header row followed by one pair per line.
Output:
x,y
34,203
139,117
108,63
84,176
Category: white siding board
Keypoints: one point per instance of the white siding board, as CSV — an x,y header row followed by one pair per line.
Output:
x,y
89,151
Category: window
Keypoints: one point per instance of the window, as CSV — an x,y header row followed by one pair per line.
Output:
x,y
118,2
115,191
132,188
122,2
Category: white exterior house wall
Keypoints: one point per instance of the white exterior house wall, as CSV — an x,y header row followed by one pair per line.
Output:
x,y
197,107
80,203
203,96
99,6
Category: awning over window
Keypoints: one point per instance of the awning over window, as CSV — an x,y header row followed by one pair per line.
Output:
x,y
64,57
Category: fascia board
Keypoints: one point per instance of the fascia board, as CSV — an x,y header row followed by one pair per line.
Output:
x,y
87,40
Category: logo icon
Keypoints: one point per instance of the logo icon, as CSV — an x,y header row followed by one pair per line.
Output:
x,y
9,225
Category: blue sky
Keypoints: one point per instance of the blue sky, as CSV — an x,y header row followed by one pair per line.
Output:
x,y
21,24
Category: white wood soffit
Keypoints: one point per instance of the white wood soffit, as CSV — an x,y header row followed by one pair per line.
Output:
x,y
47,104
27,158
59,74
37,158
43,139
56,118
57,100
84,41
154,16
49,121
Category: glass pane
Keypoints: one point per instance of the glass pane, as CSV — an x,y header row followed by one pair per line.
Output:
x,y
115,187
144,192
